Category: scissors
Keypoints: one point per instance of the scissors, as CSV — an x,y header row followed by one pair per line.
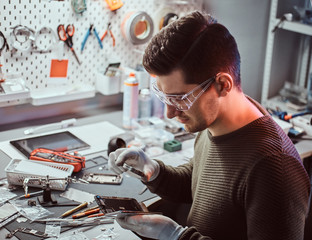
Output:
x,y
67,36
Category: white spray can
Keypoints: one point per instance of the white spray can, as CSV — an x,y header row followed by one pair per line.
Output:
x,y
130,101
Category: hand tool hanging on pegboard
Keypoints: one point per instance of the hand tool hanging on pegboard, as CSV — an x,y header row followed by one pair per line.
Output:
x,y
22,38
108,29
89,32
163,16
67,37
79,6
114,4
3,45
45,40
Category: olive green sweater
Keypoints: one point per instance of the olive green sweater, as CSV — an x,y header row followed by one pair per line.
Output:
x,y
248,184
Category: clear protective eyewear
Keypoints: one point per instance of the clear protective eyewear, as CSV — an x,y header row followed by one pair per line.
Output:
x,y
182,102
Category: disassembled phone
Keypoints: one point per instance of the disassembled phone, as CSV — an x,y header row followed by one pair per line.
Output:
x,y
113,204
104,178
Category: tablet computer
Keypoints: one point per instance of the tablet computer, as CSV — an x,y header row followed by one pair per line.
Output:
x,y
62,141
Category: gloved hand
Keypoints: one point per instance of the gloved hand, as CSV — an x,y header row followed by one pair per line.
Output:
x,y
151,226
136,158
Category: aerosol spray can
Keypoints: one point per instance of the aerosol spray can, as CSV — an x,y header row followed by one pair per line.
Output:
x,y
130,100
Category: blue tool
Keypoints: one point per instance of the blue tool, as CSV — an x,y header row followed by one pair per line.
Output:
x,y
89,32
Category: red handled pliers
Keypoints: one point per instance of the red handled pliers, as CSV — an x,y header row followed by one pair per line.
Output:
x,y
109,27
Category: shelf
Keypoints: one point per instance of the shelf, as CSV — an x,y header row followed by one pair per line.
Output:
x,y
64,94
11,96
297,27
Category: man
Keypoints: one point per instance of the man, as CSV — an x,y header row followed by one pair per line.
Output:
x,y
245,180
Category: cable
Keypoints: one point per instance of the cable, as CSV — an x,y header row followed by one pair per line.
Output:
x,y
22,38
4,43
286,16
49,37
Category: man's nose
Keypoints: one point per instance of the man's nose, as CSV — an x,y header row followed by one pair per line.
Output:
x,y
172,111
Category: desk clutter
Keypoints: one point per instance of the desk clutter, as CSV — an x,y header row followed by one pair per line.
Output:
x,y
50,192
58,206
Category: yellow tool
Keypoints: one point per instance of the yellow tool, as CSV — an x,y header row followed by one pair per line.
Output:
x,y
71,211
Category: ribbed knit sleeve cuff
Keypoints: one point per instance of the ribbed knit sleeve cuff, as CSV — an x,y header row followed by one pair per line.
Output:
x,y
191,233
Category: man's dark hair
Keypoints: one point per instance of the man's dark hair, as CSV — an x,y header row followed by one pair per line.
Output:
x,y
195,44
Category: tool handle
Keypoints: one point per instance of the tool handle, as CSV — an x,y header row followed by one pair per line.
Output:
x,y
83,214
85,40
71,211
112,35
61,32
104,35
97,37
70,30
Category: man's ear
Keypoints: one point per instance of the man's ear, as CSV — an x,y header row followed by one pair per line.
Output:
x,y
224,83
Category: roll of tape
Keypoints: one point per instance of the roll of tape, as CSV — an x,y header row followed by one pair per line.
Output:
x,y
163,16
168,18
137,27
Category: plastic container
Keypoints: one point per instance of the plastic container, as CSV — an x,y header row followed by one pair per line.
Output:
x,y
158,107
145,105
16,177
130,101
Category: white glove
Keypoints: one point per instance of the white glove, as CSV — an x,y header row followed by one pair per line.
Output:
x,y
151,226
136,158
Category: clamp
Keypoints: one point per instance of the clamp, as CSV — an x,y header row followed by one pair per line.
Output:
x,y
89,32
108,29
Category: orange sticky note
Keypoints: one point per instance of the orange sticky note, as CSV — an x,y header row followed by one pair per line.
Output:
x,y
59,68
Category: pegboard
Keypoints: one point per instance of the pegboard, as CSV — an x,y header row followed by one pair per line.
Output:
x,y
35,66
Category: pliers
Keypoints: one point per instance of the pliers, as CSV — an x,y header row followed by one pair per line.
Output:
x,y
89,32
108,29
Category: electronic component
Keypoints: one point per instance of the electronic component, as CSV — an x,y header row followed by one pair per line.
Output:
x,y
172,145
43,154
102,178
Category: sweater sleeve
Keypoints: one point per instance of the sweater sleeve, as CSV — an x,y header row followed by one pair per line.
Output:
x,y
173,183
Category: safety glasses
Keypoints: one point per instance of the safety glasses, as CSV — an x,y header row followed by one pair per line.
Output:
x,y
182,102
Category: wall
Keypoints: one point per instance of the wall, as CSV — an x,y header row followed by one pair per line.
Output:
x,y
34,66
246,19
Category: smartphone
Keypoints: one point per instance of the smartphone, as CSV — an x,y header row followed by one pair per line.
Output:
x,y
109,204
133,170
